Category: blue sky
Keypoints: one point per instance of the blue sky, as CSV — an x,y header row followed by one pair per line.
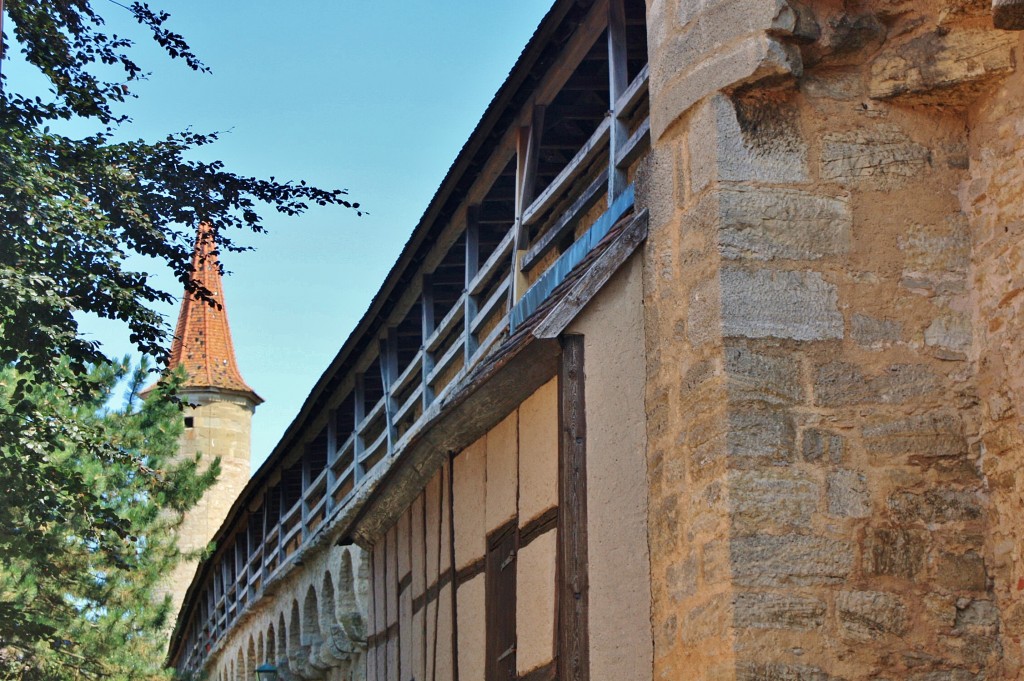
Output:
x,y
375,97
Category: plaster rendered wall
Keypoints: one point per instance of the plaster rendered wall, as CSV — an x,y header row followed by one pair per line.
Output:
x,y
221,428
612,326
818,508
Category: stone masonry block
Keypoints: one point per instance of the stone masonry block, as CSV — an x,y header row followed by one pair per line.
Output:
x,y
767,610
942,63
895,552
789,560
872,332
760,499
936,506
961,572
931,435
772,223
839,384
745,140
750,671
848,494
818,444
712,67
779,304
759,435
865,615
878,158
753,376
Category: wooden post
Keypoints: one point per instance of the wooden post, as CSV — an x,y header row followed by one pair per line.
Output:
x,y
359,413
618,81
304,502
472,267
527,152
332,458
388,373
573,585
427,357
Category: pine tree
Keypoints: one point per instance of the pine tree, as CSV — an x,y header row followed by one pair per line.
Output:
x,y
86,529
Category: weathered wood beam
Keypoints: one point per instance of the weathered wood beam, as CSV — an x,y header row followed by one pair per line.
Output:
x,y
572,593
472,267
618,81
567,221
637,144
583,157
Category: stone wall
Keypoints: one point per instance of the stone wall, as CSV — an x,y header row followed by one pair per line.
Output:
x,y
818,508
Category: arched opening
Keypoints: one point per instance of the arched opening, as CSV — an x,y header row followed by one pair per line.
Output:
x,y
328,614
294,630
240,666
271,655
282,638
250,660
260,650
311,619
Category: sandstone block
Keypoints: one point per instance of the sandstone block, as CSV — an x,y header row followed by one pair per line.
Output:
x,y
839,384
757,434
871,332
879,158
769,223
866,615
848,495
936,506
895,552
766,610
681,578
932,435
951,333
753,376
779,304
961,572
760,499
821,443
946,675
750,671
713,66
942,63
789,560
977,616
745,140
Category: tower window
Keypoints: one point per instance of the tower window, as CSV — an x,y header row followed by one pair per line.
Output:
x,y
189,422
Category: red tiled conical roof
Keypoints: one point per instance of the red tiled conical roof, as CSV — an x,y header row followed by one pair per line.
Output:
x,y
202,337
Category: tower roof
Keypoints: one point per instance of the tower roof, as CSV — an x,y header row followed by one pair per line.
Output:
x,y
202,337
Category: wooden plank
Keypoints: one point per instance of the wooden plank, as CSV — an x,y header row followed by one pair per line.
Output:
x,y
573,653
618,81
409,402
472,267
453,317
567,222
499,296
637,89
402,382
501,251
526,179
500,599
638,143
559,317
561,182
358,412
427,356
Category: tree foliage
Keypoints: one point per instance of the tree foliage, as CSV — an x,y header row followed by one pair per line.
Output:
x,y
86,529
81,537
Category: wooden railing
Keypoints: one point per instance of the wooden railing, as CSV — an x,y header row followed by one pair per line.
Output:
x,y
450,348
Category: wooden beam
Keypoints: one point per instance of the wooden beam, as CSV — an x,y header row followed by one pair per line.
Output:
x,y
618,82
567,222
596,276
582,158
426,356
637,89
573,653
358,414
637,144
388,372
472,268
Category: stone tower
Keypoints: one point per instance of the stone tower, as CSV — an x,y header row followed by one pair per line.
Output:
x,y
219,422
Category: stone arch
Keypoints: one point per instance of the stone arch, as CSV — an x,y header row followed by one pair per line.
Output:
x,y
250,660
311,618
348,612
294,629
271,652
328,609
282,638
